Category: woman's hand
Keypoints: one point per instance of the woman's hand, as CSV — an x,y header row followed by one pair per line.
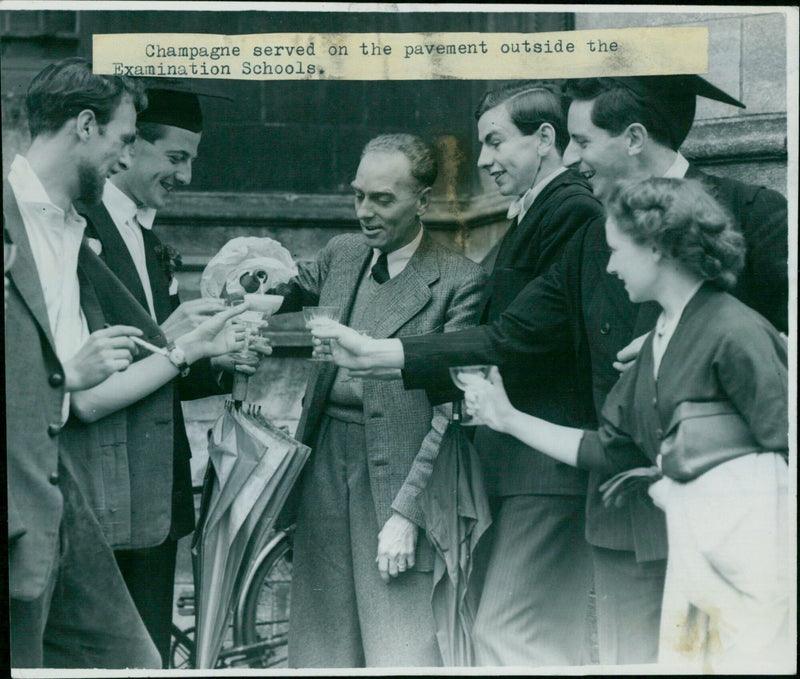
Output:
x,y
105,352
487,401
214,336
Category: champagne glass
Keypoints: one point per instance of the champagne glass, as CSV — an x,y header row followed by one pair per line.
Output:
x,y
253,322
465,375
320,315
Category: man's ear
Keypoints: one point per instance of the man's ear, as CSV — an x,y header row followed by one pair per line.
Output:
x,y
423,200
635,138
548,136
85,124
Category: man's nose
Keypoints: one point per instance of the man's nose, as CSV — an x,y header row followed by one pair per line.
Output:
x,y
364,209
184,174
485,159
571,155
124,161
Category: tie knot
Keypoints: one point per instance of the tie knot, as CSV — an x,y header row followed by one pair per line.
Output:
x,y
380,270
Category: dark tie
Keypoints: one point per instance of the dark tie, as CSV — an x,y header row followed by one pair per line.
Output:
x,y
380,270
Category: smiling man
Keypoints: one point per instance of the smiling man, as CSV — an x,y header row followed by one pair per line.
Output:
x,y
68,606
159,487
619,127
532,608
362,577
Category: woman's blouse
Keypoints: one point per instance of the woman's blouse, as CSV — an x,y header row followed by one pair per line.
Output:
x,y
720,349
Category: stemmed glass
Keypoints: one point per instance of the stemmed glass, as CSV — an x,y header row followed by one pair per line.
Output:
x,y
253,322
321,315
465,375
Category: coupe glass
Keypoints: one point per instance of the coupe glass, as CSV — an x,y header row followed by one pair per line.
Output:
x,y
320,315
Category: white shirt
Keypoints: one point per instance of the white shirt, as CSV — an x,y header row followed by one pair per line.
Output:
x,y
130,221
664,330
520,207
678,168
398,260
55,238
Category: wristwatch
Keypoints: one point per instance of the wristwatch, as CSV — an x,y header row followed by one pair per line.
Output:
x,y
177,358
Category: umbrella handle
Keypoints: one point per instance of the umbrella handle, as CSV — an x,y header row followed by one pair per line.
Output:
x,y
239,391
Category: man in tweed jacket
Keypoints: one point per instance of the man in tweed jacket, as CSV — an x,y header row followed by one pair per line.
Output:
x,y
361,583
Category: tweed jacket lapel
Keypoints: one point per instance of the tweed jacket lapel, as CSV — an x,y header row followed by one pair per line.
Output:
x,y
339,289
115,253
400,299
24,273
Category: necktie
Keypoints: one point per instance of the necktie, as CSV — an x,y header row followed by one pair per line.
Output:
x,y
380,270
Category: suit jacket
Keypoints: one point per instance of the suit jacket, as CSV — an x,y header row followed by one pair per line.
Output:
x,y
547,386
160,484
578,304
438,291
35,438
34,396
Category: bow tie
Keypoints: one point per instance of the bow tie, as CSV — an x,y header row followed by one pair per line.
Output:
x,y
518,206
144,217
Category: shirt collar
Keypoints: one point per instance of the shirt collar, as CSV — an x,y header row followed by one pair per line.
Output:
x,y
29,189
520,207
678,168
122,208
397,260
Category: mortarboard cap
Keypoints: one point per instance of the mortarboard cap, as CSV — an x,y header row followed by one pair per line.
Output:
x,y
175,102
673,100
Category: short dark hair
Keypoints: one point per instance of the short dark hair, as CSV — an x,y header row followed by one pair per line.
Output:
x,y
529,104
681,220
419,153
63,89
151,132
616,107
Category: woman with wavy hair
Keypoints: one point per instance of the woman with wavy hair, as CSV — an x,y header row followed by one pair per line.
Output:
x,y
706,401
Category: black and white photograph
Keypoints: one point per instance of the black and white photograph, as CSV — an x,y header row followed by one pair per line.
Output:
x,y
399,338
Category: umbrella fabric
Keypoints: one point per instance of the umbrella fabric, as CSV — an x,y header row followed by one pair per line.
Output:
x,y
252,465
457,514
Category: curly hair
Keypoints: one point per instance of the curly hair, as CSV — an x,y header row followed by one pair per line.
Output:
x,y
420,154
681,220
63,89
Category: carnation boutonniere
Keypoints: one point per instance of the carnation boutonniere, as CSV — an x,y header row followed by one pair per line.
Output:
x,y
169,258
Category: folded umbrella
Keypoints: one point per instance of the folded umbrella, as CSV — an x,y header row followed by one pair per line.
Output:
x,y
252,466
457,514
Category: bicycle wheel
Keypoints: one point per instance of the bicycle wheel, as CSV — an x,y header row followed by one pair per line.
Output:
x,y
265,615
181,654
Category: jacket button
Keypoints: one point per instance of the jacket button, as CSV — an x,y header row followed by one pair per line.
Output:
x,y
54,479
56,380
53,429
655,402
660,433
605,328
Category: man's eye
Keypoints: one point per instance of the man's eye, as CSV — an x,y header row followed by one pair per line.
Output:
x,y
358,196
384,201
